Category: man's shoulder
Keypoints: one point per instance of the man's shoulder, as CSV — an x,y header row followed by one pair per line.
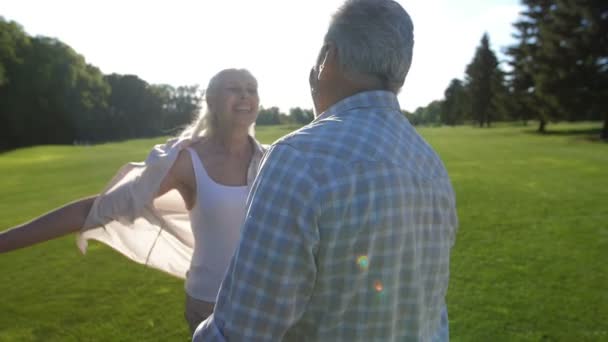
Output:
x,y
305,139
342,139
307,150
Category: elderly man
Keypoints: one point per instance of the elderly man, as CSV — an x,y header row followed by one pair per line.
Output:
x,y
352,218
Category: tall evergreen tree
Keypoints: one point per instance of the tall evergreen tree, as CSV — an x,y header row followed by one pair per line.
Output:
x,y
527,68
482,75
560,64
577,47
581,27
521,83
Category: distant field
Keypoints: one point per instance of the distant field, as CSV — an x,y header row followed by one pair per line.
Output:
x,y
529,262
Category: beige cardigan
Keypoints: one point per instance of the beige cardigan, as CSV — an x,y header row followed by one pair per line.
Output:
x,y
153,232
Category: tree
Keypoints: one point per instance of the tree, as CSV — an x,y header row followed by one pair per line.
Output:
x,y
270,116
560,63
14,43
576,51
531,68
301,116
50,95
455,105
429,115
482,78
432,113
136,108
180,105
521,82
581,29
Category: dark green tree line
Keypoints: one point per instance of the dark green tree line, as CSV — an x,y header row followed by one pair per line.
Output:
x,y
274,116
50,95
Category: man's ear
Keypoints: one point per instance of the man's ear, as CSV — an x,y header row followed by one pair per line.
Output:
x,y
329,65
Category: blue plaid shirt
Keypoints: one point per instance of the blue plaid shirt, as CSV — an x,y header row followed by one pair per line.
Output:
x,y
347,237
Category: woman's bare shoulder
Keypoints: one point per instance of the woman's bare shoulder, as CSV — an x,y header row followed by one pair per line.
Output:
x,y
181,178
182,168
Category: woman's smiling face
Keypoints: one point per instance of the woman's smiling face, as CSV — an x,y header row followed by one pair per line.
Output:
x,y
235,99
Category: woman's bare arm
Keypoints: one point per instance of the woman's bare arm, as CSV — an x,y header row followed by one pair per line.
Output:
x,y
61,221
71,217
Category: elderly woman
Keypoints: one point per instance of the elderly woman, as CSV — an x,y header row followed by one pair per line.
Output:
x,y
181,210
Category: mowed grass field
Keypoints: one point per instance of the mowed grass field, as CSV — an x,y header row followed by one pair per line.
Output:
x,y
530,261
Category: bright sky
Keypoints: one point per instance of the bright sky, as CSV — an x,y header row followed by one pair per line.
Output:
x,y
182,42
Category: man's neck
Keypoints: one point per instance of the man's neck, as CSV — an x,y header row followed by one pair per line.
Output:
x,y
347,89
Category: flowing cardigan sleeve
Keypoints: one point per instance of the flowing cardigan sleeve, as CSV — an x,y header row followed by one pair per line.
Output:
x,y
127,217
154,232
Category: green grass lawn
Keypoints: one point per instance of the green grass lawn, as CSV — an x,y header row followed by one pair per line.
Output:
x,y
529,262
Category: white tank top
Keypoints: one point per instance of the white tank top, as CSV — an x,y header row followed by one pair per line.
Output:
x,y
216,217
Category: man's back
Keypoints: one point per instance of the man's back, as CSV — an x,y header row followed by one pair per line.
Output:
x,y
386,224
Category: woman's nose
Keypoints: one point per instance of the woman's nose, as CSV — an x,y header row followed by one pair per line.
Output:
x,y
242,93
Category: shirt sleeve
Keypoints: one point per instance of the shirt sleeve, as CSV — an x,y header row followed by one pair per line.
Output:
x,y
272,274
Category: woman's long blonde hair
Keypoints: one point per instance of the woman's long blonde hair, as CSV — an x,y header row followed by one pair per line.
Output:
x,y
206,122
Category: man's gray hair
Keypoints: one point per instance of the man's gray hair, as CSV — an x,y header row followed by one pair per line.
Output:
x,y
373,38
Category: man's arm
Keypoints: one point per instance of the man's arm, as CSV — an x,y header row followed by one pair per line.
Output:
x,y
272,274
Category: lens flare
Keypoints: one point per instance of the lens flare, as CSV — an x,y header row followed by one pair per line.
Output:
x,y
378,286
363,262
